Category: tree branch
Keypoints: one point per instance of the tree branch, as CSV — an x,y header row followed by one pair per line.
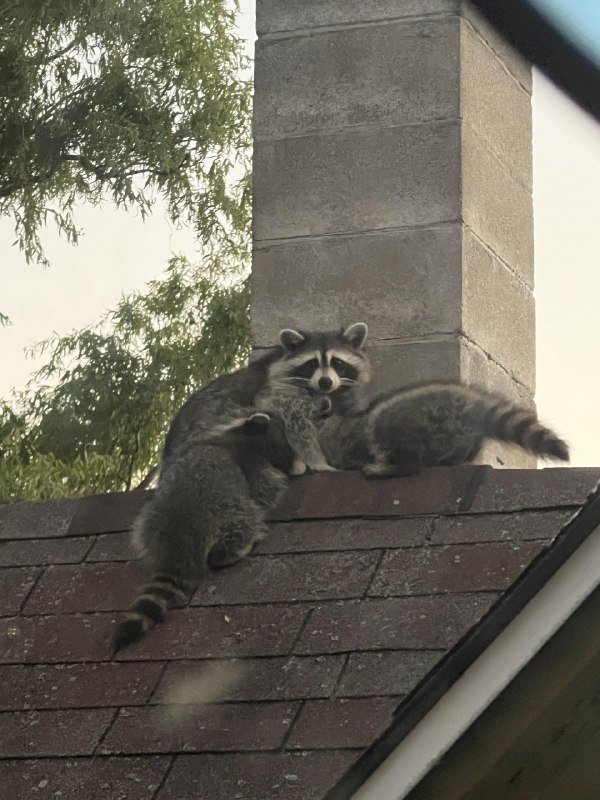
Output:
x,y
77,40
128,172
100,172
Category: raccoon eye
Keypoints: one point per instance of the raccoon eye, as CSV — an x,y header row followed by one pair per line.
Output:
x,y
338,364
307,369
343,369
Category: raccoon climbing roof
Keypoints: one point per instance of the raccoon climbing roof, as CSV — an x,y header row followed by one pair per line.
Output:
x,y
291,675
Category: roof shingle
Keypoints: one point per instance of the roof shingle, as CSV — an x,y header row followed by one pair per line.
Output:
x,y
357,593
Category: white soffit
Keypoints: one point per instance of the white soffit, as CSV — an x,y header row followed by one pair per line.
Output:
x,y
483,681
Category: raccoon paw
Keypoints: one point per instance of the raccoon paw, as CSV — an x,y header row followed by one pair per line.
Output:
x,y
324,408
324,467
383,470
298,467
379,470
221,556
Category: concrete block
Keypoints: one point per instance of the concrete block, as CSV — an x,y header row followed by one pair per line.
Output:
x,y
401,283
496,206
274,15
390,74
420,360
496,106
498,311
441,358
515,64
477,369
360,181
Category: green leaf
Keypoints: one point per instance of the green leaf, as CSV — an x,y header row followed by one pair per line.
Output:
x,y
123,102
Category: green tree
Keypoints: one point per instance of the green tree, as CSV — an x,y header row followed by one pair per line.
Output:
x,y
117,99
94,417
123,101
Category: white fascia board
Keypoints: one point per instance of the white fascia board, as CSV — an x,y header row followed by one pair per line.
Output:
x,y
483,681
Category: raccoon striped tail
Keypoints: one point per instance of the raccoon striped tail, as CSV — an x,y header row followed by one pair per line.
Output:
x,y
513,424
150,609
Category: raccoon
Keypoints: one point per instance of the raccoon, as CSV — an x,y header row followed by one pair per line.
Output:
x,y
218,402
333,363
207,512
315,372
433,425
309,376
299,411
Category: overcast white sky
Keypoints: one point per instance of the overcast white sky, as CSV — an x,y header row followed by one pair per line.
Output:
x,y
119,253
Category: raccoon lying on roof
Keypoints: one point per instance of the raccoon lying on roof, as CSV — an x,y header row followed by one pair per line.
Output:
x,y
207,512
438,424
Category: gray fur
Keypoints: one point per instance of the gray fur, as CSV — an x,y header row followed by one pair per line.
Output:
x,y
272,372
299,409
344,441
216,481
432,425
319,374
207,512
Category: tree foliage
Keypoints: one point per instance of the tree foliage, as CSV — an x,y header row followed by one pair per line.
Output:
x,y
123,101
118,99
94,417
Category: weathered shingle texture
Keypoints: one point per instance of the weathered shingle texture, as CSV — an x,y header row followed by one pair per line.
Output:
x,y
361,588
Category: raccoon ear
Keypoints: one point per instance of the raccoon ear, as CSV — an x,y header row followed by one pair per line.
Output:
x,y
291,339
356,334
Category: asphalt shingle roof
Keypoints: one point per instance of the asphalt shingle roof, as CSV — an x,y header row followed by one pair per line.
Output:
x,y
358,592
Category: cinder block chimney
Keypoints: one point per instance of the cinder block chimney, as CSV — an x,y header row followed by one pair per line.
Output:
x,y
393,184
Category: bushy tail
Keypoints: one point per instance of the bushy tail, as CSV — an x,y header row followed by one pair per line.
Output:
x,y
508,422
150,609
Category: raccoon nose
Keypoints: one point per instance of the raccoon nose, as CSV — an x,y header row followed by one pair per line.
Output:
x,y
325,383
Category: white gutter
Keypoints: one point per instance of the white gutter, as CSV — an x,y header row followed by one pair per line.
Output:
x,y
483,681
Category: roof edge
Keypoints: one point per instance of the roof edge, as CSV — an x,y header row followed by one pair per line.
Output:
x,y
481,664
